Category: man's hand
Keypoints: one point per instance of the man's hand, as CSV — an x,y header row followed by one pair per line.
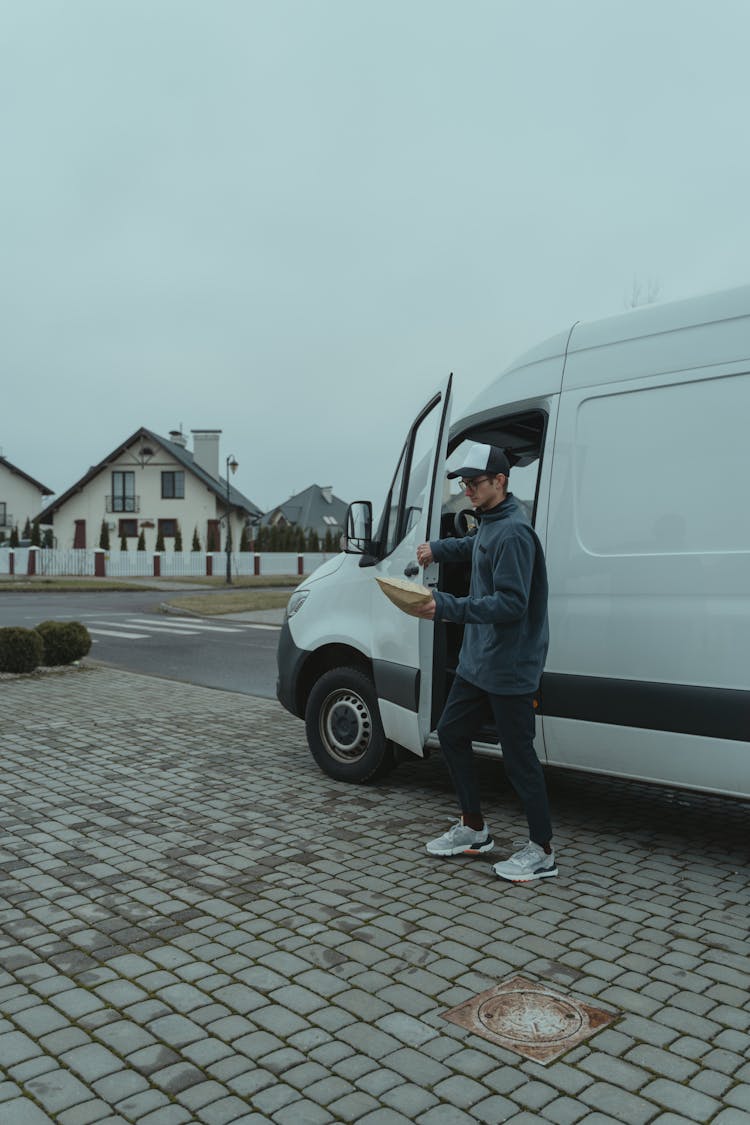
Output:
x,y
424,554
427,610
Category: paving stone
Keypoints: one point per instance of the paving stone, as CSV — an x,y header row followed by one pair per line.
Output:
x,y
561,1111
618,1104
692,1104
416,1067
494,1109
16,1047
177,1031
89,1113
91,1062
22,1111
58,1090
166,1115
223,1110
444,1115
329,960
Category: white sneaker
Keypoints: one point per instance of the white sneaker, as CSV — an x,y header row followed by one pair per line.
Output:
x,y
531,863
460,840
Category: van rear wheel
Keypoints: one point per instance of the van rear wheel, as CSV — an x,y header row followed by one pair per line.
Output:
x,y
344,731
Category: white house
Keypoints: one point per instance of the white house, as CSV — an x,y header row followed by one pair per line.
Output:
x,y
154,485
21,498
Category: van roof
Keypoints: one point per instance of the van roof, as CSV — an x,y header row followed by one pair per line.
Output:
x,y
682,335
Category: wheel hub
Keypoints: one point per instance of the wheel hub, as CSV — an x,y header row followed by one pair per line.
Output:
x,y
346,725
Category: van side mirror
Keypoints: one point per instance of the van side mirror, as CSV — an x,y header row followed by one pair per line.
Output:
x,y
358,538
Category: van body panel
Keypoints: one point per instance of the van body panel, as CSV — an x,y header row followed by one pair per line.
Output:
x,y
664,757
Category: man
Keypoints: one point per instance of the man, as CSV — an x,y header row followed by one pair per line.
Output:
x,y
501,661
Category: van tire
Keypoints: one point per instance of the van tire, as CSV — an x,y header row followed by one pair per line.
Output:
x,y
344,731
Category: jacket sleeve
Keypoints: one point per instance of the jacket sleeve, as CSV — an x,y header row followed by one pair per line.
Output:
x,y
452,550
511,578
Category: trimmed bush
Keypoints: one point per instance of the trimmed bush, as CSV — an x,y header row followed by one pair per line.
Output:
x,y
63,641
21,650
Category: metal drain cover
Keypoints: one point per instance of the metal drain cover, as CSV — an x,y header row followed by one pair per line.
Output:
x,y
530,1018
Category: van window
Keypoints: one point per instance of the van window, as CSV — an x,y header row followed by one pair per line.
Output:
x,y
655,469
408,494
522,437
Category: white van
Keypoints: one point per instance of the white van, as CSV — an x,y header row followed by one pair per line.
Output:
x,y
629,443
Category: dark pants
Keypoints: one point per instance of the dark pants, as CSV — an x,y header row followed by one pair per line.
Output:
x,y
465,709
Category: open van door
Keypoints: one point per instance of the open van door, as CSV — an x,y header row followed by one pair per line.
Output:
x,y
401,645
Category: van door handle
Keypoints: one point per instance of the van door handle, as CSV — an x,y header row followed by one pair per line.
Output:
x,y
411,571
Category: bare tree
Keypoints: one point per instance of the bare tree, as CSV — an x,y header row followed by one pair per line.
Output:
x,y
642,293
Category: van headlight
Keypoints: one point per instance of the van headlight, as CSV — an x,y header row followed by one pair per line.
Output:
x,y
296,601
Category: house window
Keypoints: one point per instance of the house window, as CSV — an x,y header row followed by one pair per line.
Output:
x,y
3,513
173,486
129,529
123,492
168,528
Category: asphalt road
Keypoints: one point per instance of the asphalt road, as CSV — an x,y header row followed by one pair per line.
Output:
x,y
130,632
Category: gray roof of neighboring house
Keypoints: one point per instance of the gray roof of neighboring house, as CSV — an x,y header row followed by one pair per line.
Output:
x,y
25,476
307,509
218,485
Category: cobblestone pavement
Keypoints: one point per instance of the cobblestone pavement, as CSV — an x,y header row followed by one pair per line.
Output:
x,y
198,926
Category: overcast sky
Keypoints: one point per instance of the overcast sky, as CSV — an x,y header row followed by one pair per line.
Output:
x,y
290,219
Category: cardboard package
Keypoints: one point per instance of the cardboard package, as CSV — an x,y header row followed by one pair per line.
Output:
x,y
404,594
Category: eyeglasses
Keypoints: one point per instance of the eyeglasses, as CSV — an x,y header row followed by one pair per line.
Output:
x,y
472,484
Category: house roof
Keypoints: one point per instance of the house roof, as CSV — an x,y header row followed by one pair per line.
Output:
x,y
217,485
5,463
309,508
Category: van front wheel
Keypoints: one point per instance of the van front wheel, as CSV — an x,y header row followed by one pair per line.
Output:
x,y
343,726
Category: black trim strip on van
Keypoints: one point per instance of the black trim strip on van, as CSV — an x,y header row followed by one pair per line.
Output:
x,y
681,708
397,683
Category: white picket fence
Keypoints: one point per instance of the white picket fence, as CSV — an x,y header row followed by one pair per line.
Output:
x,y
171,564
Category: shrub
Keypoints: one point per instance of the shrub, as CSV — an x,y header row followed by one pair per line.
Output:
x,y
21,650
141,541
63,641
104,536
196,540
177,538
160,543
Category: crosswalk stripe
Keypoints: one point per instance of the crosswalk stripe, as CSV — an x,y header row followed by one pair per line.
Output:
x,y
181,626
149,626
127,636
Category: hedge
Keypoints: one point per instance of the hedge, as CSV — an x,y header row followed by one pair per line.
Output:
x,y
63,641
21,650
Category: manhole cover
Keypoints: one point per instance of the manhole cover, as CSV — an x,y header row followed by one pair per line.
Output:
x,y
530,1018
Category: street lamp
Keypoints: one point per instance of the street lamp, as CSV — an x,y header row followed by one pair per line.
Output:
x,y
233,465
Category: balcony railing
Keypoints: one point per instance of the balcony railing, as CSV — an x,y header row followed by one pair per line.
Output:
x,y
123,503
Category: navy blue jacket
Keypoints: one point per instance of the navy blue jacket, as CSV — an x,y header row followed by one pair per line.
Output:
x,y
506,632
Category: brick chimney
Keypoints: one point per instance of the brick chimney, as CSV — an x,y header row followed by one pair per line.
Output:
x,y
206,450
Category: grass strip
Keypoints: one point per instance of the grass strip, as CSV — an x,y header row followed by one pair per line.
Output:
x,y
235,601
